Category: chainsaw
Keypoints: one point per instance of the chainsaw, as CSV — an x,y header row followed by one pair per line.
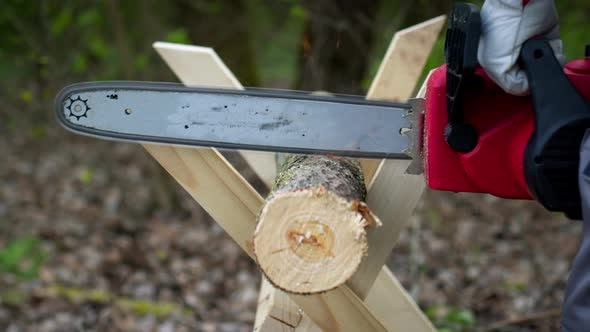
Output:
x,y
466,135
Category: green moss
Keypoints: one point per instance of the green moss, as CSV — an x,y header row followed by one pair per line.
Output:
x,y
340,175
137,307
76,295
144,308
13,297
286,171
22,258
357,171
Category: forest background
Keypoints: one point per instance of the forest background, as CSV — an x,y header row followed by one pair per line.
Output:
x,y
95,236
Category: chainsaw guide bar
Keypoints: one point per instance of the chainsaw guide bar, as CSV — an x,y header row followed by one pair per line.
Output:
x,y
264,120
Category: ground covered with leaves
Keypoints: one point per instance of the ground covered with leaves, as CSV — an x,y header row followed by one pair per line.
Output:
x,y
95,236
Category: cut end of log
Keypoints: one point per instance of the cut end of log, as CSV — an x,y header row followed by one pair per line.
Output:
x,y
311,240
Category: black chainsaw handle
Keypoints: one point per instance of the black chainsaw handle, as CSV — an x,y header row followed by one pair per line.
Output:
x,y
461,43
551,159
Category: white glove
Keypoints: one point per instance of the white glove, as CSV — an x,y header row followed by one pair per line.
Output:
x,y
506,25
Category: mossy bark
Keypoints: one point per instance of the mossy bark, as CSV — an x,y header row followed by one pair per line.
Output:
x,y
341,176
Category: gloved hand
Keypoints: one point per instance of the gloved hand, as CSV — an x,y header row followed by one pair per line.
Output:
x,y
506,25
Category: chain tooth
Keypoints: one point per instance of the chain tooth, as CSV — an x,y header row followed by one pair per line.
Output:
x,y
405,131
407,152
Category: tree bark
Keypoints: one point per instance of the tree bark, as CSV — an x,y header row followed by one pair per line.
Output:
x,y
311,233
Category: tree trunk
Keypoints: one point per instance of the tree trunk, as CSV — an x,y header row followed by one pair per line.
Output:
x,y
223,26
336,45
310,236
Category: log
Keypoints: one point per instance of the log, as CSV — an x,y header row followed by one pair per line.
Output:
x,y
276,312
311,233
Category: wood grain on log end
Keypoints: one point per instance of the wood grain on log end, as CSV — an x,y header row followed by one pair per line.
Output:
x,y
311,233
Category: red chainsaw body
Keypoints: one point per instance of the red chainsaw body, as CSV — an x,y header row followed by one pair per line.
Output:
x,y
504,123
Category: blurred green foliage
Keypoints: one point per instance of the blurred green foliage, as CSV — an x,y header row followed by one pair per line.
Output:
x,y
275,41
13,297
22,258
86,176
48,44
451,319
137,307
575,26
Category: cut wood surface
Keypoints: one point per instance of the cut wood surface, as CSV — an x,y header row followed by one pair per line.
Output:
x,y
212,73
311,233
234,205
401,68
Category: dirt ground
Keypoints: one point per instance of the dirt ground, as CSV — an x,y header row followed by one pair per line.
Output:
x,y
95,236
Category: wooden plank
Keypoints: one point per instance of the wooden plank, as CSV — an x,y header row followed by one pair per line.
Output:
x,y
392,197
213,73
396,78
387,299
306,325
394,307
387,292
216,185
404,61
234,204
276,311
330,309
401,68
